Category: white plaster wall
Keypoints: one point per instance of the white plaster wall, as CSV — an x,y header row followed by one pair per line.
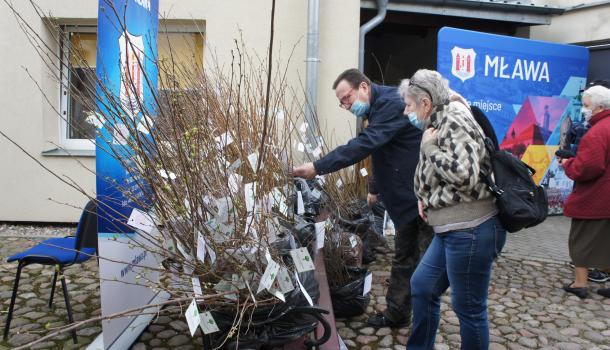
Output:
x,y
26,188
579,26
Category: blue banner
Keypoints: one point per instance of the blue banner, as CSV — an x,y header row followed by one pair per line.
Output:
x,y
127,79
529,90
127,75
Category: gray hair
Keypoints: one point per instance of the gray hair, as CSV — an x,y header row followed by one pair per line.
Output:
x,y
428,84
599,96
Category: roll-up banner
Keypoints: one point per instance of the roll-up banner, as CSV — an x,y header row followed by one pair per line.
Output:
x,y
127,77
529,90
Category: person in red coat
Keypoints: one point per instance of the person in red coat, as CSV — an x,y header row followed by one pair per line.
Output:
x,y
587,205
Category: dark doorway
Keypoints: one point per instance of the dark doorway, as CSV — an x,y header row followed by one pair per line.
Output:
x,y
405,42
599,56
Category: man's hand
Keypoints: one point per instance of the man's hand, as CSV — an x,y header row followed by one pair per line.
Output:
x,y
371,199
560,161
306,171
422,213
429,134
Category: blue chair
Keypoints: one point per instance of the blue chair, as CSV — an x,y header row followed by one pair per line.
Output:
x,y
59,252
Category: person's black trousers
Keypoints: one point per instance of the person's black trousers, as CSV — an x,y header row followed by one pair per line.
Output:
x,y
411,242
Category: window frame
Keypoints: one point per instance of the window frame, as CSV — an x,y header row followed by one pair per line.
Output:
x,y
64,93
64,84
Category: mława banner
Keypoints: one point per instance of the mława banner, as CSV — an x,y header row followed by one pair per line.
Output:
x,y
528,89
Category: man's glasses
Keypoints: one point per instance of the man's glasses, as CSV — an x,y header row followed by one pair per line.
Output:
x,y
344,101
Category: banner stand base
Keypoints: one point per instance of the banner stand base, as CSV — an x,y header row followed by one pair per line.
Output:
x,y
136,327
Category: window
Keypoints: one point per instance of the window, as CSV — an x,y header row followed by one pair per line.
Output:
x,y
78,52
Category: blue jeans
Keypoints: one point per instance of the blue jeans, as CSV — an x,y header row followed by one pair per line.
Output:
x,y
461,259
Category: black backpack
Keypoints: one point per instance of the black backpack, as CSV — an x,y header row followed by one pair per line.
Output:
x,y
521,203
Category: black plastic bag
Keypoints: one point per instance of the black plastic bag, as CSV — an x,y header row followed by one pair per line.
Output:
x,y
348,300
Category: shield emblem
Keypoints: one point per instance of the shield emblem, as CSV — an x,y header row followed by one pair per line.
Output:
x,y
462,63
132,80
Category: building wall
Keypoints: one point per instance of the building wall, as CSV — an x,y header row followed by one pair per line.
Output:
x,y
30,193
576,26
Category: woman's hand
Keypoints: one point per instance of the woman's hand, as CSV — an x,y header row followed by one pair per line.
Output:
x,y
429,135
371,199
422,213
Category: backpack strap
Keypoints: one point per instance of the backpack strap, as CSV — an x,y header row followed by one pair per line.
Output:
x,y
491,150
488,178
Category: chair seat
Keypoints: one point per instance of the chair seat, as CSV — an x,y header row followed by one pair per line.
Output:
x,y
54,251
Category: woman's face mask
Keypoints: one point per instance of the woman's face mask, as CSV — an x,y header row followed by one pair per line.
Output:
x,y
587,113
417,114
415,122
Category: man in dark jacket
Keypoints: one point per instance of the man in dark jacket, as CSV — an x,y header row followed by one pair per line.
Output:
x,y
393,144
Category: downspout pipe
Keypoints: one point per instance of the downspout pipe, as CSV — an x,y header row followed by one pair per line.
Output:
x,y
382,9
311,69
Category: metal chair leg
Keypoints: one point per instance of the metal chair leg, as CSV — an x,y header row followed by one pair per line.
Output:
x,y
10,309
67,299
53,287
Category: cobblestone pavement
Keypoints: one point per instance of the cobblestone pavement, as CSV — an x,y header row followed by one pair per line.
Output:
x,y
32,316
545,242
527,308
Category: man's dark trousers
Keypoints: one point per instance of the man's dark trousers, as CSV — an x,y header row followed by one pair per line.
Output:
x,y
410,244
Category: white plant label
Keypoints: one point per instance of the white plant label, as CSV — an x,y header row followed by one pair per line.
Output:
x,y
363,172
276,293
368,282
279,199
144,124
141,221
192,317
208,324
302,260
223,206
253,160
320,232
353,241
234,182
250,194
250,229
300,204
339,183
268,276
96,119
121,134
211,253
196,287
284,280
182,250
223,140
167,174
321,179
224,286
303,290
201,247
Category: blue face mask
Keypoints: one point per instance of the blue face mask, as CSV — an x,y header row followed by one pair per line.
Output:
x,y
415,122
360,109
